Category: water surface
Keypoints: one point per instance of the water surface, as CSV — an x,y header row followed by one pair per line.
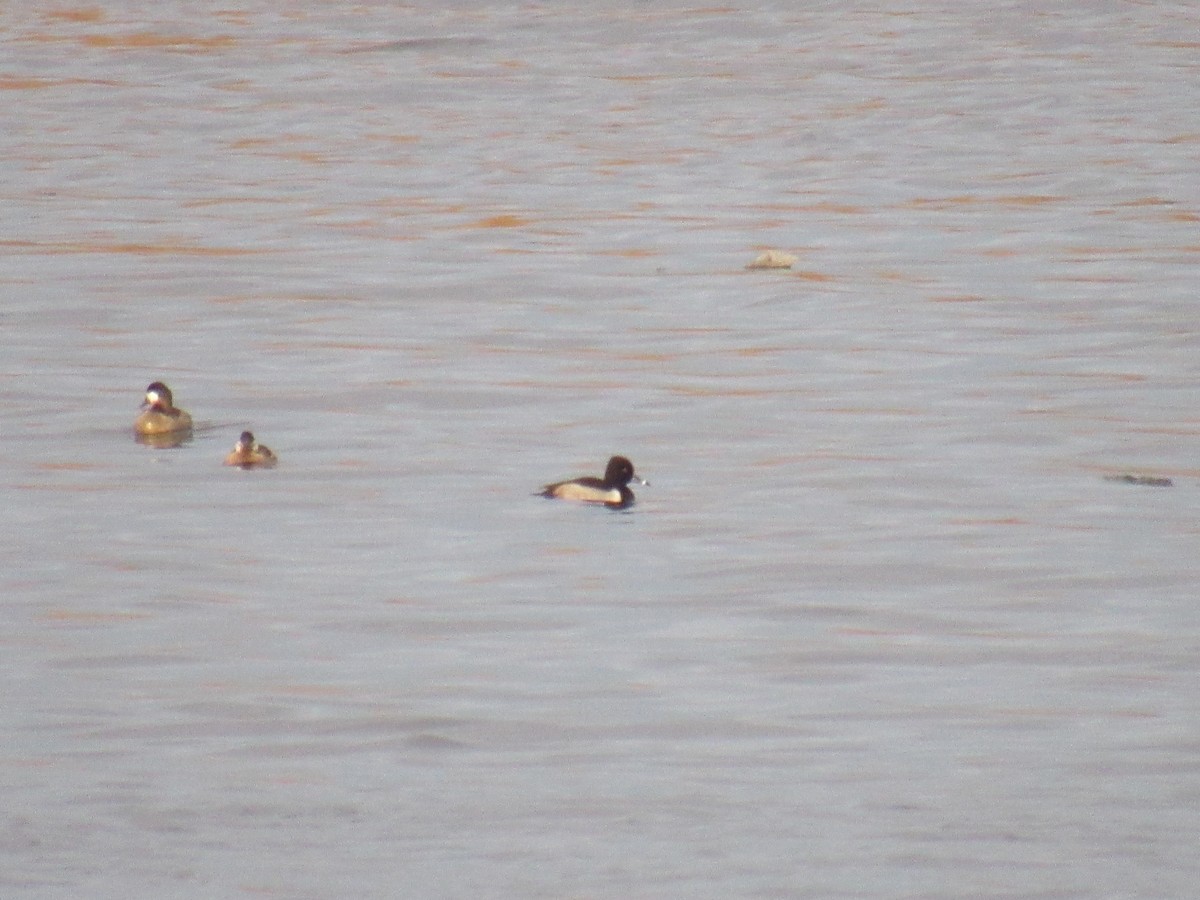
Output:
x,y
878,628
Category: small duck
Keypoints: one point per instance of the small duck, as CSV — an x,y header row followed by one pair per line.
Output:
x,y
159,415
250,454
612,490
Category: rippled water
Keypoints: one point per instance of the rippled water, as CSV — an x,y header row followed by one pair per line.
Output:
x,y
878,628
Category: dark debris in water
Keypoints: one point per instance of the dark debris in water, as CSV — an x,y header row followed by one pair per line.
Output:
x,y
1143,480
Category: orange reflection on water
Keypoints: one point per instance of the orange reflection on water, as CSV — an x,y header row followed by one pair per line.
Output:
x,y
161,248
149,39
82,14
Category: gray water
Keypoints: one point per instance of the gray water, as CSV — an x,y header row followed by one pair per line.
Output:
x,y
879,627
